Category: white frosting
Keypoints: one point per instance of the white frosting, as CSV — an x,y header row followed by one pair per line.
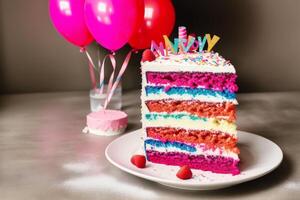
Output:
x,y
200,150
164,67
203,98
187,123
195,62
219,117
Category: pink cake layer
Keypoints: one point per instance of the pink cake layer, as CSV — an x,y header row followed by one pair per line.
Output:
x,y
216,164
208,80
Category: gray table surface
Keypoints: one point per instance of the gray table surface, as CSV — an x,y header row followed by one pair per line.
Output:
x,y
44,155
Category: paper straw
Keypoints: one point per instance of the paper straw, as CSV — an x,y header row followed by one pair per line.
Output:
x,y
91,68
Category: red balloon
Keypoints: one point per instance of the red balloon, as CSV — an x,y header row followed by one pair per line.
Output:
x,y
159,20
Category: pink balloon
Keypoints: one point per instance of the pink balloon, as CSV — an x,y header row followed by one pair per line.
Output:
x,y
68,18
113,22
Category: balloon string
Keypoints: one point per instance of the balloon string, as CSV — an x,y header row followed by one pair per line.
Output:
x,y
98,58
91,68
111,79
102,76
116,83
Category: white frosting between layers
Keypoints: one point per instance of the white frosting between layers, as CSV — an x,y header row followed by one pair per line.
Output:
x,y
189,124
203,98
200,150
219,117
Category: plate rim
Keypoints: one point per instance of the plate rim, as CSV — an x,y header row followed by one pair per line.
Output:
x,y
138,173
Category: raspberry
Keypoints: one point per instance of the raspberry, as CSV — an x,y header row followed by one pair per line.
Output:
x,y
184,173
148,55
138,160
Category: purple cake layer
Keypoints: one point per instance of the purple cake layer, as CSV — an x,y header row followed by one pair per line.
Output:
x,y
208,80
216,164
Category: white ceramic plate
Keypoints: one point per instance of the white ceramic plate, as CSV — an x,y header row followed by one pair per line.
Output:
x,y
259,156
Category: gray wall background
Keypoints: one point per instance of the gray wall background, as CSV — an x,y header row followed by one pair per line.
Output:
x,y
260,37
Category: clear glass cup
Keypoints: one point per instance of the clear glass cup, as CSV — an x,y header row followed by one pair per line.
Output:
x,y
97,100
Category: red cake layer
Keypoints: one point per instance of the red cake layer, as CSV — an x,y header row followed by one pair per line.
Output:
x,y
211,139
207,80
216,164
201,109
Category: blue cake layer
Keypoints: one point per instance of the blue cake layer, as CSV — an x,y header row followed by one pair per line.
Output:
x,y
178,145
190,91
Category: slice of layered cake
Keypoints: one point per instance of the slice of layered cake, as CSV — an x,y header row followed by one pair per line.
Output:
x,y
189,111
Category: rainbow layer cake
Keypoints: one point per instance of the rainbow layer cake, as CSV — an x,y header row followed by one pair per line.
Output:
x,y
189,111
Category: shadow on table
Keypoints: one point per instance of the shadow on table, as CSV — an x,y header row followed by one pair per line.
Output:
x,y
264,183
132,127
